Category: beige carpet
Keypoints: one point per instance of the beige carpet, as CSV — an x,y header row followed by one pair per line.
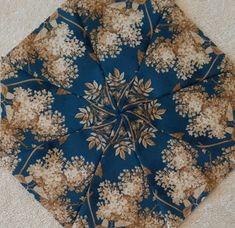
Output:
x,y
19,17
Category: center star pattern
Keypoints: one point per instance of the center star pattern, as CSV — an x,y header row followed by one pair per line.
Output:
x,y
120,114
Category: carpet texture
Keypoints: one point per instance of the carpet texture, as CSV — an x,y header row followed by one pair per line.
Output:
x,y
19,17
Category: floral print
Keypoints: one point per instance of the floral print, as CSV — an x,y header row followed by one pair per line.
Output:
x,y
87,7
119,202
208,115
184,52
163,6
118,114
54,176
17,58
118,27
28,110
59,49
181,177
9,146
130,107
31,111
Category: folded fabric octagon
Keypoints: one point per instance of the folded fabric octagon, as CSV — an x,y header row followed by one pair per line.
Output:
x,y
118,114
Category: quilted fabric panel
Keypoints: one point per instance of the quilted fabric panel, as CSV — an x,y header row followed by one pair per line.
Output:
x,y
118,114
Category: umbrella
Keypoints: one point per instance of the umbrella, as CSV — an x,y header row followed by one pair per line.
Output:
x,y
118,114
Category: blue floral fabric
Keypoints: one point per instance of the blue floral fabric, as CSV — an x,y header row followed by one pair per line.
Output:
x,y
118,114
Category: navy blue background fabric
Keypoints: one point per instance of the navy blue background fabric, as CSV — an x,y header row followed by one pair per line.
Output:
x,y
118,114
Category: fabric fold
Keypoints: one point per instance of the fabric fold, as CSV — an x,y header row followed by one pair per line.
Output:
x,y
118,114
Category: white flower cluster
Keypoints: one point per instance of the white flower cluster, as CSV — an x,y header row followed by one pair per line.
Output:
x,y
119,201
80,222
191,56
179,155
229,154
61,210
54,176
226,85
118,27
190,100
106,43
17,59
182,54
78,173
59,49
161,56
178,22
212,121
181,178
149,219
163,6
9,146
216,171
91,8
207,114
31,111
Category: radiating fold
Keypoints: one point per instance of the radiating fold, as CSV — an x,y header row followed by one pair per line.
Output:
x,y
118,114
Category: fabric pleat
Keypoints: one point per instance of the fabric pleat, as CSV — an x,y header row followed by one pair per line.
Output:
x,y
118,114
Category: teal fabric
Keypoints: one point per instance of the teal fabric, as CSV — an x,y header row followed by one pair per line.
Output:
x,y
118,114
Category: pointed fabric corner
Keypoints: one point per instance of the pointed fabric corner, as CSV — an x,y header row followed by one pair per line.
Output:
x,y
118,114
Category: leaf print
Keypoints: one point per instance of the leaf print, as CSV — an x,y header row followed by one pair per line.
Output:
x,y
146,137
142,88
94,57
116,124
62,92
140,56
99,170
63,139
96,141
94,90
117,79
154,111
85,116
100,141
